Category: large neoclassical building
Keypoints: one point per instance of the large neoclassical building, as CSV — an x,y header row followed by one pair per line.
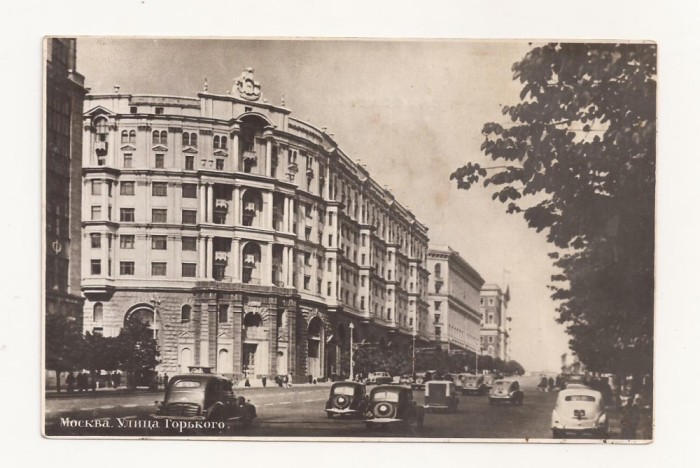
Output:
x,y
246,238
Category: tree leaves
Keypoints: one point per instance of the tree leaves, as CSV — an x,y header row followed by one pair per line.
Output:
x,y
583,143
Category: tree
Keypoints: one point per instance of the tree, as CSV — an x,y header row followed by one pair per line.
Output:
x,y
139,351
63,345
578,161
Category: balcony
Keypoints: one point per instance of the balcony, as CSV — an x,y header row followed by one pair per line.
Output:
x,y
221,204
250,156
249,207
249,260
221,256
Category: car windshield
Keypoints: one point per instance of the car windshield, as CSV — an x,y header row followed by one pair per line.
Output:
x,y
580,398
471,379
187,384
436,390
501,384
386,395
344,390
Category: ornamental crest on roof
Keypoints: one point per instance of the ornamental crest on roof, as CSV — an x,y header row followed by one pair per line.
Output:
x,y
246,86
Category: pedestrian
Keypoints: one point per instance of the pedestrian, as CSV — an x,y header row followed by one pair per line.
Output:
x,y
551,384
70,381
81,381
117,379
542,386
289,380
166,379
630,420
557,382
311,378
93,381
247,382
264,381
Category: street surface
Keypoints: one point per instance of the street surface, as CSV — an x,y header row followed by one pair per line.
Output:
x,y
299,412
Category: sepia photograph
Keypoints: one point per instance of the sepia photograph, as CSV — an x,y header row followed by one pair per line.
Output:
x,y
349,239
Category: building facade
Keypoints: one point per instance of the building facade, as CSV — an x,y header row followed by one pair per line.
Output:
x,y
495,333
453,295
63,152
245,238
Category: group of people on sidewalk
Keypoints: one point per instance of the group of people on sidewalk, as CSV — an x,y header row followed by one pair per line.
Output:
x,y
85,381
549,384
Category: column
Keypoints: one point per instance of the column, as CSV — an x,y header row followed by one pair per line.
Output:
x,y
285,265
87,145
268,210
290,267
104,244
202,203
236,206
267,262
268,158
236,259
86,201
112,150
177,257
115,201
204,335
202,267
210,257
210,202
115,255
291,215
147,255
234,148
105,199
285,215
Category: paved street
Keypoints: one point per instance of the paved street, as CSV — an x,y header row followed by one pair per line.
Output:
x,y
299,412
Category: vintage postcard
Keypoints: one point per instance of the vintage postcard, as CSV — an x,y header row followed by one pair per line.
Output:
x,y
313,239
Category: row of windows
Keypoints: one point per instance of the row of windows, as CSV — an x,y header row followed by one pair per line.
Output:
x,y
158,189
188,270
161,138
127,241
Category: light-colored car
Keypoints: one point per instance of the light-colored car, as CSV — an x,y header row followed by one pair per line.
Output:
x,y
378,378
506,391
579,411
472,384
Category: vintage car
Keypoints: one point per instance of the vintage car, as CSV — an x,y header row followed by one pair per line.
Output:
x,y
203,397
441,394
391,405
418,383
506,390
579,411
472,384
347,399
378,378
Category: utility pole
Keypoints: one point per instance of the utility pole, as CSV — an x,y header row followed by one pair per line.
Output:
x,y
413,373
352,374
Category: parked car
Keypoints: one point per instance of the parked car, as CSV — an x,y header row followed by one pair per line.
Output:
x,y
347,399
472,384
421,378
506,390
579,411
441,394
203,397
391,405
378,378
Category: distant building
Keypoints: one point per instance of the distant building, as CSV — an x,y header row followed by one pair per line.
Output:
x,y
246,238
63,139
453,294
494,329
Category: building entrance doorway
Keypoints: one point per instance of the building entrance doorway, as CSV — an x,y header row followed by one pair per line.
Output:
x,y
249,351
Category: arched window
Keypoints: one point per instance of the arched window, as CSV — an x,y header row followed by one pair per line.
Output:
x,y
193,139
438,270
224,142
101,129
163,137
185,139
97,312
156,137
125,136
216,142
132,136
186,313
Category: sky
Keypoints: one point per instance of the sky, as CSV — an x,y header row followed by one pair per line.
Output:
x,y
411,111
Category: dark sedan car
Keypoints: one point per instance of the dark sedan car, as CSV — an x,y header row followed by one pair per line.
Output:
x,y
393,405
203,397
347,399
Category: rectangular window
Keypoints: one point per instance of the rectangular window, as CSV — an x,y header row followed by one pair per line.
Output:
x,y
219,164
95,241
388,313
307,259
189,217
126,241
318,286
96,213
133,109
128,160
189,270
329,289
126,268
223,313
159,243
189,244
362,302
96,187
189,163
160,161
307,281
126,188
159,110
159,189
159,215
189,190
158,268
330,264
95,267
126,214
330,240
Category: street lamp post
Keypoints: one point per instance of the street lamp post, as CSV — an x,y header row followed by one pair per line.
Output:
x,y
352,374
413,362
